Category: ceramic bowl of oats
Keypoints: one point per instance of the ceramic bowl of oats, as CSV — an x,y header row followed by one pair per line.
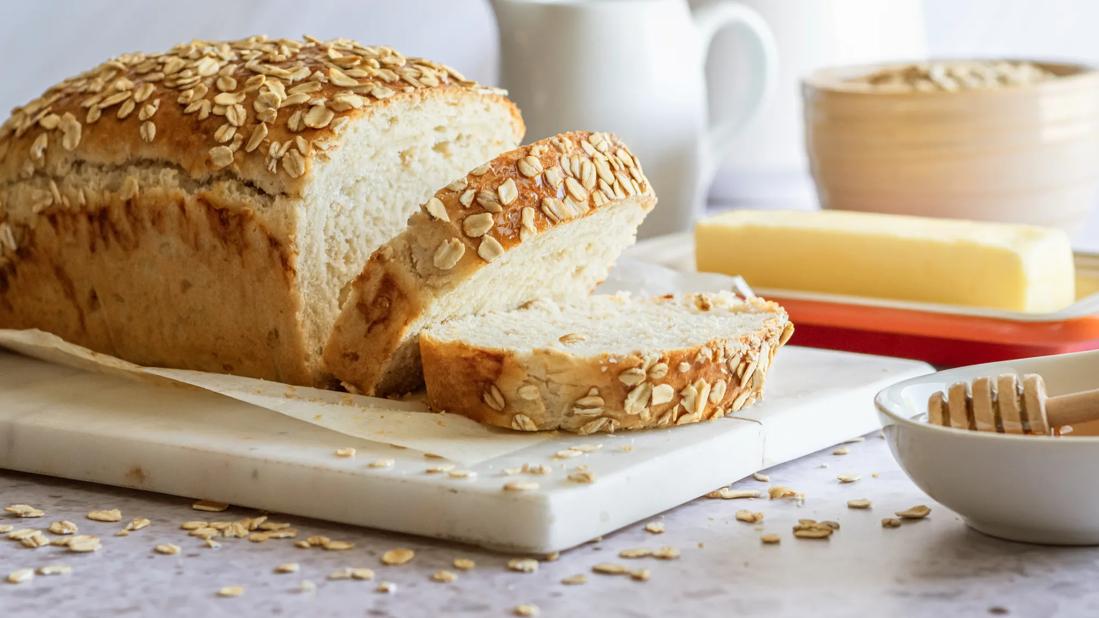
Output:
x,y
998,140
1036,489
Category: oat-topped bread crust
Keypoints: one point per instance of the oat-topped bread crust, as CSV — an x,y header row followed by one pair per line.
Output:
x,y
544,220
262,110
623,363
203,208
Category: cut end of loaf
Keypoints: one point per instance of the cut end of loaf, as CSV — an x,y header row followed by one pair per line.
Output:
x,y
605,363
390,162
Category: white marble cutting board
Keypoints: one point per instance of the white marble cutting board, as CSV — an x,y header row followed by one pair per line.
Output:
x,y
170,440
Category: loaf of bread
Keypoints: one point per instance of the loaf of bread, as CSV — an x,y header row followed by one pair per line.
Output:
x,y
603,362
204,207
546,220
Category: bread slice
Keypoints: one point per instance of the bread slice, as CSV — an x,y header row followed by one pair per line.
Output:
x,y
604,363
202,208
545,220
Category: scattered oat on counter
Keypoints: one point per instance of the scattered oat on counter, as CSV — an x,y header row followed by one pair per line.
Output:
x,y
439,469
337,545
916,512
575,580
641,575
212,544
847,478
840,451
761,477
340,574
382,463
444,576
462,474
749,517
83,543
726,493
521,486
610,568
812,529
136,523
209,506
288,567
464,564
433,456
273,526
19,576
167,549
855,440
526,609
770,539
666,553
346,451
637,552
655,527
24,510
523,565
890,522
398,556
387,587
30,538
230,591
552,556
858,503
362,574
55,569
6,528
778,492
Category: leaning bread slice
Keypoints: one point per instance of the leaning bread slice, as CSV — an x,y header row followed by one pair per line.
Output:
x,y
604,363
543,221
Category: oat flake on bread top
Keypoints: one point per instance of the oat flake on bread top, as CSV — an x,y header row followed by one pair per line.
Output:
x,y
261,109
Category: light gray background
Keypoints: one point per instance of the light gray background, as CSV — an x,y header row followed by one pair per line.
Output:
x,y
45,40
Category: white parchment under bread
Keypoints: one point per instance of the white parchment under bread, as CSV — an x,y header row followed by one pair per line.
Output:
x,y
407,424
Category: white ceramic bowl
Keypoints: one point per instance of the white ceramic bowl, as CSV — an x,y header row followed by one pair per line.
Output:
x,y
1035,489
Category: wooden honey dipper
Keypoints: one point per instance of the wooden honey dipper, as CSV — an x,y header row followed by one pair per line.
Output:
x,y
982,406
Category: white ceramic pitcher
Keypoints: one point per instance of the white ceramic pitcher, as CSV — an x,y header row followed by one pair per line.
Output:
x,y
635,68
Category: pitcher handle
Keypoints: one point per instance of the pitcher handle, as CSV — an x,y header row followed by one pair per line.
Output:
x,y
726,123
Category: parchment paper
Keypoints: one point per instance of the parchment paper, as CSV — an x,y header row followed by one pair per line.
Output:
x,y
408,424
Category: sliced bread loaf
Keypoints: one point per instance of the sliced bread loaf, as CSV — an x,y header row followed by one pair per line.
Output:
x,y
543,221
203,207
604,363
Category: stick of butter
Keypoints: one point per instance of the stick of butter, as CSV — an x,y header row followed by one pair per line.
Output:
x,y
950,261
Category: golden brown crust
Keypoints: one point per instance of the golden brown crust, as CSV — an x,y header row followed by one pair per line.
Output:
x,y
261,110
160,278
550,388
467,224
535,187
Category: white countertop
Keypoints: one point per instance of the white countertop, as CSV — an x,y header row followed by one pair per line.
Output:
x,y
933,567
